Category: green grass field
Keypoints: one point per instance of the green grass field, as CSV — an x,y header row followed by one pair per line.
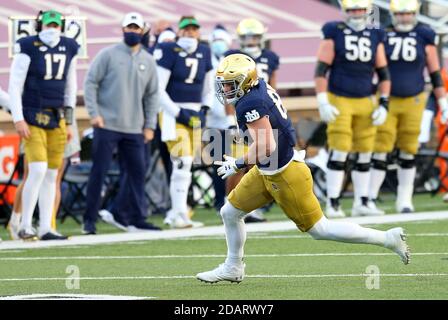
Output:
x,y
279,265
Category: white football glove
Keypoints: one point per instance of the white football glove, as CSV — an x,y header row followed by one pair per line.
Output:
x,y
327,112
229,167
379,115
443,104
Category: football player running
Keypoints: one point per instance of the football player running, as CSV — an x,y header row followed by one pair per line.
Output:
x,y
42,89
251,36
186,87
279,175
410,47
351,51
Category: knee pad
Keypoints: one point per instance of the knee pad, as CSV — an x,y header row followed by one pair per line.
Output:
x,y
406,160
336,160
181,169
231,214
182,163
363,162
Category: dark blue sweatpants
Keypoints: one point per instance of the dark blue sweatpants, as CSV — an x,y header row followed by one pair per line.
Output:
x,y
131,149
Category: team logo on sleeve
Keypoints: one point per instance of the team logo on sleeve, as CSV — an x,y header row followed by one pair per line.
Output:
x,y
252,116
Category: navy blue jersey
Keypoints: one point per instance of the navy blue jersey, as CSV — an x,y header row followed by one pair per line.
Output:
x,y
354,62
406,57
267,62
263,101
47,73
187,70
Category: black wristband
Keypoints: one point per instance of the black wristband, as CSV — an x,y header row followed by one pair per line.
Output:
x,y
321,69
240,163
68,115
383,74
436,79
384,101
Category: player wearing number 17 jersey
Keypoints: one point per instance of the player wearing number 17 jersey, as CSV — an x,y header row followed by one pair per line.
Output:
x,y
185,73
42,89
279,174
410,47
352,51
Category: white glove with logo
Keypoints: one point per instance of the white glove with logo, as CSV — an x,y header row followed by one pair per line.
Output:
x,y
379,116
327,112
443,104
229,167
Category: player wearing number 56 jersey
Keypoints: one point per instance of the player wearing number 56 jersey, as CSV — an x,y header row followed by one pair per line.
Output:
x,y
279,174
186,87
351,51
42,89
410,47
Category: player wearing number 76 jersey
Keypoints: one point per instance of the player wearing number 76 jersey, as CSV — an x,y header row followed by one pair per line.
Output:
x,y
410,47
185,74
352,51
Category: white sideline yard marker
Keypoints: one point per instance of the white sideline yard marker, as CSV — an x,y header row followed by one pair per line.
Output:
x,y
197,256
211,231
263,276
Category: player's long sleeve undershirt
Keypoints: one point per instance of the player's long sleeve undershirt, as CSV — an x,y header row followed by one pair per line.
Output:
x,y
4,99
208,91
71,86
18,72
165,101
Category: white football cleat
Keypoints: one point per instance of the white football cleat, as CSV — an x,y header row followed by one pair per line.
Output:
x,y
396,241
376,211
108,217
332,212
224,272
363,210
180,223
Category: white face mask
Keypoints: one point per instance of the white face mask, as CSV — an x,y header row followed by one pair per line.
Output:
x,y
254,52
188,44
50,36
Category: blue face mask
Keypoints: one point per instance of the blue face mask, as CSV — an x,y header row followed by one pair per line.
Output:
x,y
219,47
132,38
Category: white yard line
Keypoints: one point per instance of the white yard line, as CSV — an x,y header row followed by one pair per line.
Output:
x,y
212,231
197,256
263,276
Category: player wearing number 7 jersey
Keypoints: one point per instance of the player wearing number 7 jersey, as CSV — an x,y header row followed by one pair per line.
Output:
x,y
410,47
352,51
42,89
185,73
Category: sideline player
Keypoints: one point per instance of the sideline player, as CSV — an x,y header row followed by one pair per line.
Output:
x,y
185,75
410,47
351,51
279,175
42,89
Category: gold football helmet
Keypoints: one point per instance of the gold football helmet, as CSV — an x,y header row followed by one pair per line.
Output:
x,y
251,36
356,21
235,76
399,9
